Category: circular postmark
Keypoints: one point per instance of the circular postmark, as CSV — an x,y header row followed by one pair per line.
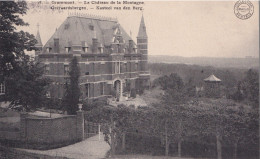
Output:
x,y
243,9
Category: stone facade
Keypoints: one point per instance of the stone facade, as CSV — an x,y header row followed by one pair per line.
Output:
x,y
110,61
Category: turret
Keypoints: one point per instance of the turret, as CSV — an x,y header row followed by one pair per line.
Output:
x,y
38,45
142,41
142,38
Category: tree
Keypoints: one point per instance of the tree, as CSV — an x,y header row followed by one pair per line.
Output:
x,y
26,87
237,95
237,127
226,120
12,42
72,90
173,110
250,86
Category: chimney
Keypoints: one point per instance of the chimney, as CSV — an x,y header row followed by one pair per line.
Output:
x,y
94,43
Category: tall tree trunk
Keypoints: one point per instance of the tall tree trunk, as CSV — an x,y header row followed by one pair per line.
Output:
x,y
179,148
235,150
123,141
180,129
219,146
112,145
166,140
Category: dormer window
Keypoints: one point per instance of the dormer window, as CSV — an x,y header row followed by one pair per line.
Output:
x,y
91,26
101,49
67,49
48,49
135,50
85,49
119,31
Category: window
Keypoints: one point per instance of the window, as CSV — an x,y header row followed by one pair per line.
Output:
x,y
87,73
66,69
121,67
2,88
47,69
87,86
102,88
117,67
125,66
136,66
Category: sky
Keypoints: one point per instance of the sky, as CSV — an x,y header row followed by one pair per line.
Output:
x,y
177,28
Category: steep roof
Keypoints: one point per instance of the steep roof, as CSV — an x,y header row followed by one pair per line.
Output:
x,y
142,29
212,78
38,38
76,29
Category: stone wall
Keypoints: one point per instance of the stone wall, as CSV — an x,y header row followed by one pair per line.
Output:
x,y
52,130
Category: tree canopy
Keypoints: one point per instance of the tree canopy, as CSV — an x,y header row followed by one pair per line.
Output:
x,y
72,90
26,87
13,42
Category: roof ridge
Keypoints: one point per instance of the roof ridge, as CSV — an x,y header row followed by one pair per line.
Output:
x,y
92,16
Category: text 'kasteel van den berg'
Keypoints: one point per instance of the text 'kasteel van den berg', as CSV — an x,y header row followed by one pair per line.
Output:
x,y
113,2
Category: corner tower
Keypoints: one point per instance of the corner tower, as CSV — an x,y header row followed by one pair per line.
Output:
x,y
142,39
142,46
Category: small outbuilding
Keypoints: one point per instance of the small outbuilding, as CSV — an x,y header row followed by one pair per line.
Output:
x,y
212,86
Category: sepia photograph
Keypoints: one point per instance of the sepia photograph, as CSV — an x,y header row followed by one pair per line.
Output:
x,y
82,79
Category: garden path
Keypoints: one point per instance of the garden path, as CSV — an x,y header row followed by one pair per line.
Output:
x,y
91,148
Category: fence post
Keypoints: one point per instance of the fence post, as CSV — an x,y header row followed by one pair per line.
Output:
x,y
23,125
98,132
80,125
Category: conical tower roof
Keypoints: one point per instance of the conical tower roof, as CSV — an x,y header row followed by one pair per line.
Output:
x,y
142,29
38,38
212,78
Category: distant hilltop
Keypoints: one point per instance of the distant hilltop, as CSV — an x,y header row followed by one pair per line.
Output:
x,y
246,62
